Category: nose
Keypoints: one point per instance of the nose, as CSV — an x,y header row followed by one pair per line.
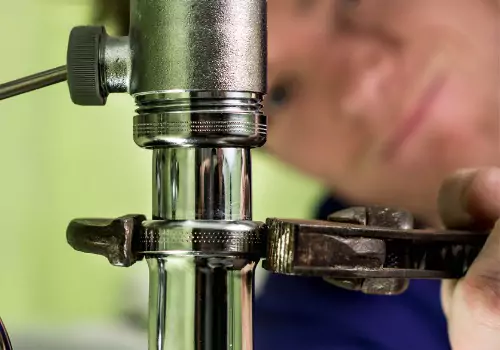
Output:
x,y
371,72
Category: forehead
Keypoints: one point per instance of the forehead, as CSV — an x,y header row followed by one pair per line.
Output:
x,y
286,9
276,6
293,24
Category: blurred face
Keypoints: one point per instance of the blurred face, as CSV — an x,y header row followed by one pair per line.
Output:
x,y
380,99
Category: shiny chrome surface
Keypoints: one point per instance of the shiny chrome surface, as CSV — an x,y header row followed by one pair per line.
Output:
x,y
203,237
33,82
117,64
200,303
200,119
201,255
202,184
5,343
194,45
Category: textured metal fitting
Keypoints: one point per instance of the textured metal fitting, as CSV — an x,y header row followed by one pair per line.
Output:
x,y
198,45
200,119
202,237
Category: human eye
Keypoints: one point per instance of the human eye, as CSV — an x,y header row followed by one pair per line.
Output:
x,y
345,13
280,95
348,4
305,6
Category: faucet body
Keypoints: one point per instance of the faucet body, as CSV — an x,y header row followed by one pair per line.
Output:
x,y
197,72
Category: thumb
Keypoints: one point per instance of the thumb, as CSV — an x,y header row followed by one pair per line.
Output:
x,y
471,200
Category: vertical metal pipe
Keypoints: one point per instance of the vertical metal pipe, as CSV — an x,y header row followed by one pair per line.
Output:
x,y
202,184
198,73
201,302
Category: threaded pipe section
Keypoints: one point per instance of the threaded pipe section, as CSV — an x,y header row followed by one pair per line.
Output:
x,y
200,119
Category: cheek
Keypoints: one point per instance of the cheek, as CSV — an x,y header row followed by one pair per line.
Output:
x,y
461,127
456,103
465,113
297,140
314,141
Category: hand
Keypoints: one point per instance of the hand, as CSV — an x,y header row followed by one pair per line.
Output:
x,y
471,200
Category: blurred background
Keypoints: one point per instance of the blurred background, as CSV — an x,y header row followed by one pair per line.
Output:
x,y
59,162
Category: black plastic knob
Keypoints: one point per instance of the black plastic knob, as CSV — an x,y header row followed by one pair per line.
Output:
x,y
83,63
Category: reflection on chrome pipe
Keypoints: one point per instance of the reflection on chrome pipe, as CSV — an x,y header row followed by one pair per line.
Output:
x,y
202,258
202,184
200,303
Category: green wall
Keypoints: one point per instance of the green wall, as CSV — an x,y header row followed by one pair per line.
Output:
x,y
60,161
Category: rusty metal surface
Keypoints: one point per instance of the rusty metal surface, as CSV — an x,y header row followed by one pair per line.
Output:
x,y
350,251
115,239
378,217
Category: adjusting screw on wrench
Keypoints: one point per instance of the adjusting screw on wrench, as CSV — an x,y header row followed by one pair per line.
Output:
x,y
377,217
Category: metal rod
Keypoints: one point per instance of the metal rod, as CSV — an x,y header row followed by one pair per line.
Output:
x,y
33,82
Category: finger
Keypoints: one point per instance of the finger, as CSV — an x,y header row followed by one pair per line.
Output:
x,y
470,199
447,290
473,310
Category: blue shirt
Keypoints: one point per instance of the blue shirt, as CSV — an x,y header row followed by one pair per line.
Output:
x,y
298,313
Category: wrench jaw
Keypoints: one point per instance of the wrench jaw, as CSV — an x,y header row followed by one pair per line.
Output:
x,y
317,249
375,250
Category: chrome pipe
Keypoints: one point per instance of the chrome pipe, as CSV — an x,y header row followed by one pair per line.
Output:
x,y
202,184
201,279
200,303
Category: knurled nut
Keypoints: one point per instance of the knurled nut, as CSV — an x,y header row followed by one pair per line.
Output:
x,y
83,61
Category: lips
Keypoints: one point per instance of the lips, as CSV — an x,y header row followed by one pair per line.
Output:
x,y
414,120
